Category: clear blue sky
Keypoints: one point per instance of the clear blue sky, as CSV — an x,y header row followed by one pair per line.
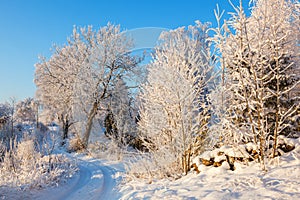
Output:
x,y
28,28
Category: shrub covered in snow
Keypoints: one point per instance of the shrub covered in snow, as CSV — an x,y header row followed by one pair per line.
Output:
x,y
75,144
108,148
174,106
23,166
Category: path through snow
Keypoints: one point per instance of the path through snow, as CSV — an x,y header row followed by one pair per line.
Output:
x,y
95,180
98,179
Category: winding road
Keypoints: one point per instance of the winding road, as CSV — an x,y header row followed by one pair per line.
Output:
x,y
95,181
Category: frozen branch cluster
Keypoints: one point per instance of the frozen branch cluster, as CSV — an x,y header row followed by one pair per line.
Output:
x,y
23,166
259,57
78,80
174,105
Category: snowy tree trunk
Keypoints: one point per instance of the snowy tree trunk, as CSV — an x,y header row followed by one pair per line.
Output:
x,y
66,127
186,161
277,75
89,124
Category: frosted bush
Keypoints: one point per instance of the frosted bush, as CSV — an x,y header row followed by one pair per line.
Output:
x,y
149,166
107,149
26,151
23,166
139,167
75,144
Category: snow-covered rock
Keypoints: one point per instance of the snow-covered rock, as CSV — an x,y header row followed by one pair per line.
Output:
x,y
237,152
229,154
285,144
220,158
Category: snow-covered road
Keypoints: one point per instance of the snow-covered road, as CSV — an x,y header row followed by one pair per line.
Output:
x,y
99,179
95,180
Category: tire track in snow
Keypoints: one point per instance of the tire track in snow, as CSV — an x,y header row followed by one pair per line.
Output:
x,y
83,180
95,181
109,182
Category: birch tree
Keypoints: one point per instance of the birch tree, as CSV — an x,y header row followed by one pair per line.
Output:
x,y
281,32
259,57
26,111
174,108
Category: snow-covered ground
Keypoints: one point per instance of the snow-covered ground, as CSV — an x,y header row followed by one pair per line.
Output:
x,y
246,182
102,179
96,179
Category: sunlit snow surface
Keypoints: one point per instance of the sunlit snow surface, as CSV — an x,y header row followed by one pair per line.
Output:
x,y
246,182
98,179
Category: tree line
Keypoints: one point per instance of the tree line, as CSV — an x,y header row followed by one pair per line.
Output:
x,y
237,86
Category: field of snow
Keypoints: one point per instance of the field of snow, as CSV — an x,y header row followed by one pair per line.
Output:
x,y
103,179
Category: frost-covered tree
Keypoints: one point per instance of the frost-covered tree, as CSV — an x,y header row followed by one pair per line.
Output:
x,y
4,112
259,58
26,111
174,108
77,79
55,80
5,118
109,61
8,121
119,121
280,53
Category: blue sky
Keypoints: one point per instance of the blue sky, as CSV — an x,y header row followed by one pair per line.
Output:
x,y
28,28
